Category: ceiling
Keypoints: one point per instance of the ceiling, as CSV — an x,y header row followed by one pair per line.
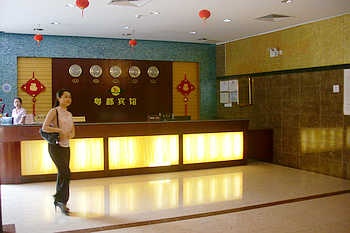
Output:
x,y
164,20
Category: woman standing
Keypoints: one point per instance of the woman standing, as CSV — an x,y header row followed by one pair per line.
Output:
x,y
60,120
18,113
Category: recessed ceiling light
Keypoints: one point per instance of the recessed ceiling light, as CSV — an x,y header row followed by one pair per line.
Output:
x,y
138,16
154,13
227,20
286,1
70,5
193,32
55,23
126,27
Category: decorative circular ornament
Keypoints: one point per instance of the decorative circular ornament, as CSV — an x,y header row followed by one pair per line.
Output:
x,y
153,72
115,71
75,70
134,71
95,71
6,87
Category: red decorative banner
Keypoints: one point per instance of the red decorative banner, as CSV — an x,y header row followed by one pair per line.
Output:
x,y
33,87
185,87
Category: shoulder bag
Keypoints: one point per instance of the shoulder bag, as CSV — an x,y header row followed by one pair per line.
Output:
x,y
51,138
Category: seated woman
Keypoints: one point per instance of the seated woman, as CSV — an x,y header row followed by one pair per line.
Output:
x,y
18,113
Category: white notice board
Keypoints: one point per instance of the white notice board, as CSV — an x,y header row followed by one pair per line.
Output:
x,y
347,92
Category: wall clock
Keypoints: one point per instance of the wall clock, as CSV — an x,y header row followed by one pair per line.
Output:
x,y
134,71
95,71
75,70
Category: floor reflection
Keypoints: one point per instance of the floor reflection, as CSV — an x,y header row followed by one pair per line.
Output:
x,y
158,194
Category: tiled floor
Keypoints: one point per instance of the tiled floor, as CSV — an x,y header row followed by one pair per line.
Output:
x,y
258,197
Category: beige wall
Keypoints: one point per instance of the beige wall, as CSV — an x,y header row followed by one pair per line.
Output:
x,y
321,43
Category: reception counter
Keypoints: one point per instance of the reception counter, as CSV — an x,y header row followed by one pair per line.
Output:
x,y
128,148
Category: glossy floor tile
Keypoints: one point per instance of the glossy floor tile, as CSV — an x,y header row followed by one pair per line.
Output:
x,y
258,197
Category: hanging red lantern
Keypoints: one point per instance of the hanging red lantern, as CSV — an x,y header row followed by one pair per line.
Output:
x,y
82,4
38,37
132,43
204,14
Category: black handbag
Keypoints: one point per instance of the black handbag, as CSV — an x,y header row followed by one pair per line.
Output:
x,y
51,138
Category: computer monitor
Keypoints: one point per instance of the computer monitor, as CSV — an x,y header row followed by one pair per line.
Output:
x,y
6,120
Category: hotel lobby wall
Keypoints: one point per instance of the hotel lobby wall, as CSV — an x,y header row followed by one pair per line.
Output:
x,y
18,45
309,127
292,93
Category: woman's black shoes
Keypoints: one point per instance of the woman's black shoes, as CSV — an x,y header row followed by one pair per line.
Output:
x,y
63,207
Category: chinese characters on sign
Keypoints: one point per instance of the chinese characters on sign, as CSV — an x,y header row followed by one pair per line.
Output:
x,y
109,101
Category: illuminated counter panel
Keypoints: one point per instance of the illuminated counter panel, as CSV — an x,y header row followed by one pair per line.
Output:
x,y
143,151
212,147
86,155
125,148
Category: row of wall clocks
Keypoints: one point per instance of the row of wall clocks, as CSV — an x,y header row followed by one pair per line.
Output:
x,y
115,71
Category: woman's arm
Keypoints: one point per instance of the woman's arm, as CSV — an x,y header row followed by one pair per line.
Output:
x,y
23,116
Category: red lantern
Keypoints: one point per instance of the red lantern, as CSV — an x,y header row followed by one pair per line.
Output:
x,y
82,4
204,14
132,43
38,37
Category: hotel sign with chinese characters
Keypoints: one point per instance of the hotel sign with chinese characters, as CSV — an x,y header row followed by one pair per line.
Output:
x,y
106,90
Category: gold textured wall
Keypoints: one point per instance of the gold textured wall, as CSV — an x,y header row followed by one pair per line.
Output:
x,y
42,71
347,39
191,69
315,44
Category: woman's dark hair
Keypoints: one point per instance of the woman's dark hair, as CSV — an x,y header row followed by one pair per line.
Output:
x,y
18,98
59,94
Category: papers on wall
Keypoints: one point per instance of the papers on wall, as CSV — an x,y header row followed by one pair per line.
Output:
x,y
229,92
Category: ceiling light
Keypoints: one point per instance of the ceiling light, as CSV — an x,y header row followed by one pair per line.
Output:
x,y
154,13
227,20
193,32
55,23
70,5
286,1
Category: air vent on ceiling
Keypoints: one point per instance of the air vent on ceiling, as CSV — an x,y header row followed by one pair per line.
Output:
x,y
273,17
136,3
